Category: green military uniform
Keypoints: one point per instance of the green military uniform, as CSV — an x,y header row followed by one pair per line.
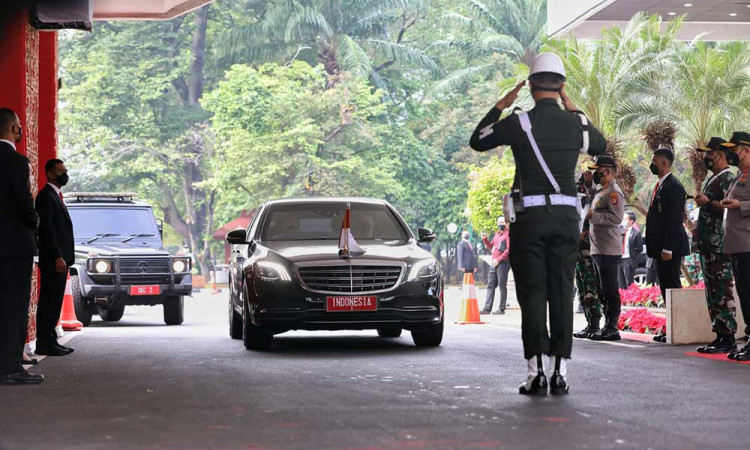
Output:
x,y
544,239
589,292
717,266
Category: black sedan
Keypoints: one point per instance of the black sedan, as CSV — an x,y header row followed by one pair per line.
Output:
x,y
288,273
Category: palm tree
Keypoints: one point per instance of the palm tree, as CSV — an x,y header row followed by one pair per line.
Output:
x,y
512,27
361,37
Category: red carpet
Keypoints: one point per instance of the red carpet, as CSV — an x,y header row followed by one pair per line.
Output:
x,y
716,357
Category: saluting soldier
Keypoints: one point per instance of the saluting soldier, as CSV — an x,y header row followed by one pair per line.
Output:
x,y
587,280
607,209
709,234
737,227
544,237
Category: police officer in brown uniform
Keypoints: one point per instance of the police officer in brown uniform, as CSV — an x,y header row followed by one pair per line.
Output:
x,y
737,227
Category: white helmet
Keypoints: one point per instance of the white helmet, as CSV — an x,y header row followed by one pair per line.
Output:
x,y
547,62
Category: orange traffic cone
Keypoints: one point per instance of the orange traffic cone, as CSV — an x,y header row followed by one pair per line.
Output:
x,y
469,306
68,317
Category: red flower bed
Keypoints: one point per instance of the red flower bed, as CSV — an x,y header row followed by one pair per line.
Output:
x,y
646,296
641,320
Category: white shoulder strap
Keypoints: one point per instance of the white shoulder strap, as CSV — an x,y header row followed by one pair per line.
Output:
x,y
526,126
585,123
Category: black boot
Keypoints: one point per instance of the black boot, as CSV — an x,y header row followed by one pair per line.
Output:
x,y
591,328
558,384
722,344
703,348
537,385
608,333
743,353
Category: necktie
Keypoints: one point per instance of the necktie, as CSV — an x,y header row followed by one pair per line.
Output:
x,y
656,189
62,199
624,236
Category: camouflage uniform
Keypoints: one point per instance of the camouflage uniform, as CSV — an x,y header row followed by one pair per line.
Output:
x,y
717,267
587,280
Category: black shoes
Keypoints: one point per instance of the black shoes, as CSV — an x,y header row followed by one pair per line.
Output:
x,y
661,338
537,387
22,377
484,312
587,332
30,362
742,354
55,350
608,333
498,312
558,385
722,344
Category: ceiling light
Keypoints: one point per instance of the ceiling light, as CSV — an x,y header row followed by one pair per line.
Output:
x,y
688,5
672,13
733,14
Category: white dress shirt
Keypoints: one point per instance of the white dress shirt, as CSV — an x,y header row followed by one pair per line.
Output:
x,y
626,252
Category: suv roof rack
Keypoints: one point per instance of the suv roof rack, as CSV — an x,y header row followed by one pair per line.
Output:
x,y
119,197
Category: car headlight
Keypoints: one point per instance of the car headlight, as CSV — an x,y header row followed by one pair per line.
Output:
x,y
423,269
100,266
180,265
270,271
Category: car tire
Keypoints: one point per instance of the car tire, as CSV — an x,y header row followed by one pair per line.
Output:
x,y
80,304
235,322
174,308
431,337
111,313
253,336
389,332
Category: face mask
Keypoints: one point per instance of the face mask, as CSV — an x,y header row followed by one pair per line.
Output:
x,y
598,177
19,132
733,158
501,227
654,169
709,163
63,179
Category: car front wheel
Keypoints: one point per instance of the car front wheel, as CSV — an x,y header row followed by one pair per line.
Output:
x,y
111,313
432,336
174,308
80,305
235,322
253,336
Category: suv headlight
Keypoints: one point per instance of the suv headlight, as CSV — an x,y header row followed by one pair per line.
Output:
x,y
270,271
181,265
423,269
99,266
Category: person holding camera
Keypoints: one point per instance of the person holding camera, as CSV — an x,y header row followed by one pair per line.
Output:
x,y
544,230
500,248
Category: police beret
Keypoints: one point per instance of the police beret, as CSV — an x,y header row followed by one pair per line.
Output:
x,y
738,138
604,161
713,144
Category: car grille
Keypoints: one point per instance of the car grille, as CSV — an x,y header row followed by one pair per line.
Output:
x,y
350,279
144,265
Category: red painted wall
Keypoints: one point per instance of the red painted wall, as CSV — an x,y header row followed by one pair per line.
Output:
x,y
47,101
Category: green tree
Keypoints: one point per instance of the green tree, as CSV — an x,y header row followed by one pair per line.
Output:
x,y
488,185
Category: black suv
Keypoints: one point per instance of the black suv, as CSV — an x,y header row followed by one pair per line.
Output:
x,y
121,260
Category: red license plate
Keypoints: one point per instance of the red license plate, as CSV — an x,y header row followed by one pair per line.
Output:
x,y
337,304
145,290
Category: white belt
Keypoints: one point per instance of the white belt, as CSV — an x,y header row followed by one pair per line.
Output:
x,y
554,199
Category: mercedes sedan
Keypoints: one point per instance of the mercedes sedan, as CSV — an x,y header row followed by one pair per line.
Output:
x,y
290,272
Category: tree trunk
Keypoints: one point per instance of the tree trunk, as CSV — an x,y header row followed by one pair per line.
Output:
x,y
199,55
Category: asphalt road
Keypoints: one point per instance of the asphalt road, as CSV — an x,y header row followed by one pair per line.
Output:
x,y
138,384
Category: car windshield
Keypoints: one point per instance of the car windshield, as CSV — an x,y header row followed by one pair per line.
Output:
x,y
322,221
116,223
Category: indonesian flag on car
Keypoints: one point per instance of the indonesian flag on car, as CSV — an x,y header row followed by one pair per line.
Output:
x,y
348,247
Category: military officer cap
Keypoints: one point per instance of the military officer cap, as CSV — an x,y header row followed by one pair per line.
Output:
x,y
714,144
738,138
604,161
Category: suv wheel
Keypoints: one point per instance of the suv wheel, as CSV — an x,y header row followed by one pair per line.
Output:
x,y
431,337
253,336
389,332
80,303
174,307
235,321
111,313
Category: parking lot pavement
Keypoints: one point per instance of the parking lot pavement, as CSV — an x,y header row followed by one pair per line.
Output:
x,y
138,384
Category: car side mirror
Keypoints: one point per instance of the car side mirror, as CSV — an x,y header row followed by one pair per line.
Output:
x,y
426,235
237,237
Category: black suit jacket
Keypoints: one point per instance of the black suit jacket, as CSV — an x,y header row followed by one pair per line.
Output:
x,y
635,246
664,223
55,228
466,258
18,220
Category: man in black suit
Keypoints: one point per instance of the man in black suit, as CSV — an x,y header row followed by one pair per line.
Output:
x,y
56,254
632,246
18,222
667,241
467,262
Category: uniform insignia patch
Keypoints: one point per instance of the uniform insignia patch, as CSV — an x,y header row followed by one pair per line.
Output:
x,y
486,131
614,198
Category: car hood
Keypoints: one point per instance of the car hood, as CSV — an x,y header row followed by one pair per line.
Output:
x,y
105,249
315,252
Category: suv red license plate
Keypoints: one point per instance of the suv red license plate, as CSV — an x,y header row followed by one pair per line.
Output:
x,y
145,290
339,304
